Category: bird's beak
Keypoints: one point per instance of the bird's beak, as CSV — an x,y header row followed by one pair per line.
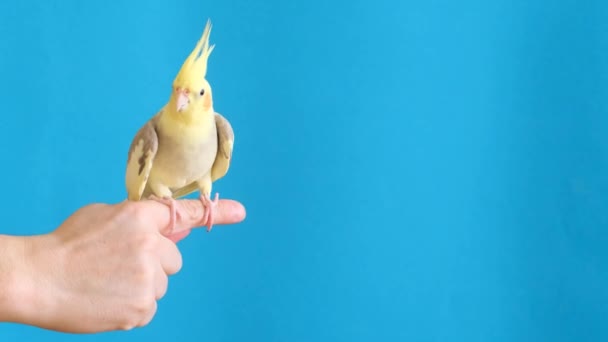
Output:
x,y
182,101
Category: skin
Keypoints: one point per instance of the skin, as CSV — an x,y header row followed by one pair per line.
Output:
x,y
103,269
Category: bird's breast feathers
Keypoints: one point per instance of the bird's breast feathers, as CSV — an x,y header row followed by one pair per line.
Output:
x,y
185,153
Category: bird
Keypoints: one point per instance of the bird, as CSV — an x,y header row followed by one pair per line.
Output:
x,y
186,145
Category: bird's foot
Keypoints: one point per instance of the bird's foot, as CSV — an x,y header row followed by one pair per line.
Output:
x,y
210,207
173,212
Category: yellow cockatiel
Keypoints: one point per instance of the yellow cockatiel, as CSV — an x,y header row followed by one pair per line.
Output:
x,y
186,146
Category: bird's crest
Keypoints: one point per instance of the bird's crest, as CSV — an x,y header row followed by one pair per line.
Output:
x,y
194,69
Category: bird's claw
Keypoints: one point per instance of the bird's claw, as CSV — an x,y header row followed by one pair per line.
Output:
x,y
209,209
174,213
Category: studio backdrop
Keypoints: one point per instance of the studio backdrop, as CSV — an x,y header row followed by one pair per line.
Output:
x,y
412,170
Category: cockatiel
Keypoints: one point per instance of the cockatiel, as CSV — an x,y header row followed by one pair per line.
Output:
x,y
186,146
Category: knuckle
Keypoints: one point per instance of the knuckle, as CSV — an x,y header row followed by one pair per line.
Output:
x,y
133,317
142,311
149,315
135,211
144,274
139,213
193,209
146,242
127,325
142,307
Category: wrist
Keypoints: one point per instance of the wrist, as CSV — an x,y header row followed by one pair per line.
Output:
x,y
22,294
12,286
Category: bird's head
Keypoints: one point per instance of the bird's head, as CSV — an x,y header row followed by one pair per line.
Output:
x,y
191,91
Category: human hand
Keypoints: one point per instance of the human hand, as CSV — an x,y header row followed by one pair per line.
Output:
x,y
106,266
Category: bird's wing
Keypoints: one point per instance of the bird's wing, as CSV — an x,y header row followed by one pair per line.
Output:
x,y
141,157
225,143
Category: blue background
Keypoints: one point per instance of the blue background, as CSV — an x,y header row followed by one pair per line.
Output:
x,y
412,170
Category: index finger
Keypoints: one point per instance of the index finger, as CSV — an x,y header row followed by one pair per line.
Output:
x,y
191,213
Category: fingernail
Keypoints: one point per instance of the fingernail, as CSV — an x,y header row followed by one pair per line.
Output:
x,y
240,213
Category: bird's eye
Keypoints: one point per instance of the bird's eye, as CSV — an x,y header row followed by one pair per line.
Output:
x,y
202,92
